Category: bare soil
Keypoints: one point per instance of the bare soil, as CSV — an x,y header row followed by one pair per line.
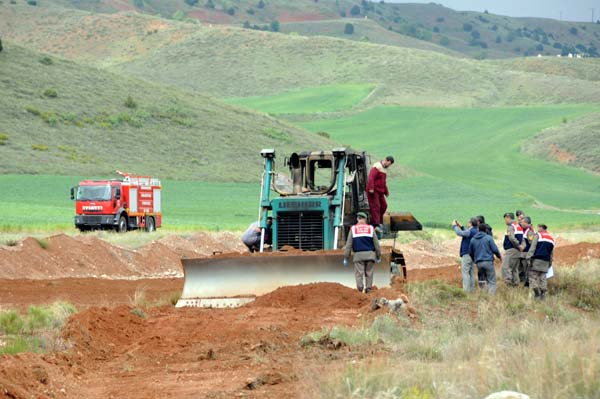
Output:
x,y
115,351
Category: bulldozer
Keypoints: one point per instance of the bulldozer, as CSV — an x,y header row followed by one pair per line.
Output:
x,y
315,204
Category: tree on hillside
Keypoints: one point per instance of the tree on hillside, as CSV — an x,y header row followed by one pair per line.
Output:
x,y
349,29
231,11
573,31
275,26
191,3
209,4
467,27
1,48
355,10
261,4
139,3
475,34
246,25
444,41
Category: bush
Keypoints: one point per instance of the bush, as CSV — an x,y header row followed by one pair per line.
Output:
x,y
45,60
11,323
40,147
324,134
139,3
440,19
1,48
355,10
191,3
475,34
250,11
209,4
130,102
32,2
231,11
498,39
4,138
275,26
349,29
436,29
467,27
38,317
51,93
261,4
444,41
573,31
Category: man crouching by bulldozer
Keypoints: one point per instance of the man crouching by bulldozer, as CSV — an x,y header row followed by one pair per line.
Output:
x,y
363,241
251,237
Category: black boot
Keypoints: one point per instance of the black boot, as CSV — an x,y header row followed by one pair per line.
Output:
x,y
543,294
536,293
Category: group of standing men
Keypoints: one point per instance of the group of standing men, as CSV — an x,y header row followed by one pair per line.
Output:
x,y
527,254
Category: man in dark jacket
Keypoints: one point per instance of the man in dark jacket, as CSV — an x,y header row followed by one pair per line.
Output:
x,y
377,190
488,231
363,241
540,257
466,262
482,249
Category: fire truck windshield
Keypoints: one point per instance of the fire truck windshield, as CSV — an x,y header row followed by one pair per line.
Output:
x,y
94,193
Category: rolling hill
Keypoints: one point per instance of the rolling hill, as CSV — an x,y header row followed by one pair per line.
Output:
x,y
574,142
61,118
474,34
233,62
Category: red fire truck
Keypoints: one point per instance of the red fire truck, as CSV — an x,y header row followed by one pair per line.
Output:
x,y
132,202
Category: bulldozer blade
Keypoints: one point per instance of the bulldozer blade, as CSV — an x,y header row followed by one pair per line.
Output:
x,y
234,280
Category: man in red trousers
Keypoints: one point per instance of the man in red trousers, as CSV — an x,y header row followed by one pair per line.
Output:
x,y
377,190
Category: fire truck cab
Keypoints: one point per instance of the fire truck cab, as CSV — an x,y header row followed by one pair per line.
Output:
x,y
133,202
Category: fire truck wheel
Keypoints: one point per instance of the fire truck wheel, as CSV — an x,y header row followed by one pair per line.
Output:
x,y
150,227
122,226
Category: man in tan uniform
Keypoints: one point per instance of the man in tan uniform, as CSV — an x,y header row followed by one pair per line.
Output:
x,y
363,241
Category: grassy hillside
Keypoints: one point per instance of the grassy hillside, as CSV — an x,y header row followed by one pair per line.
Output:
x,y
575,143
330,98
365,30
261,63
98,39
61,118
476,34
469,161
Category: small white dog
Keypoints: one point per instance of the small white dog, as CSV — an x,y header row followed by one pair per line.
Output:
x,y
394,305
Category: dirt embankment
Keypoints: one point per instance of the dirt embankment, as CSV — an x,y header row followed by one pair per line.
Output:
x,y
86,256
252,352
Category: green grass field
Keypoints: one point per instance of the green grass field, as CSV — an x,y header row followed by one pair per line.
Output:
x,y
468,161
328,98
38,202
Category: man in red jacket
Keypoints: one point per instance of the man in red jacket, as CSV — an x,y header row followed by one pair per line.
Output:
x,y
377,190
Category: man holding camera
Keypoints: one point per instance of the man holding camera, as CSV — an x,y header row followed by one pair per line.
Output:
x,y
468,277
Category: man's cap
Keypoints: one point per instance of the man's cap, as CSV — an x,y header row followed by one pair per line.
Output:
x,y
361,215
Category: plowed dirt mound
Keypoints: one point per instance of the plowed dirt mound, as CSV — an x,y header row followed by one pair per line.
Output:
x,y
569,255
101,333
327,295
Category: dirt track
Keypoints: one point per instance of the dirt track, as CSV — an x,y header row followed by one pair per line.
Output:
x,y
184,353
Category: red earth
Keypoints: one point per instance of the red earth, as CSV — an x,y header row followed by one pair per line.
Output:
x,y
111,349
